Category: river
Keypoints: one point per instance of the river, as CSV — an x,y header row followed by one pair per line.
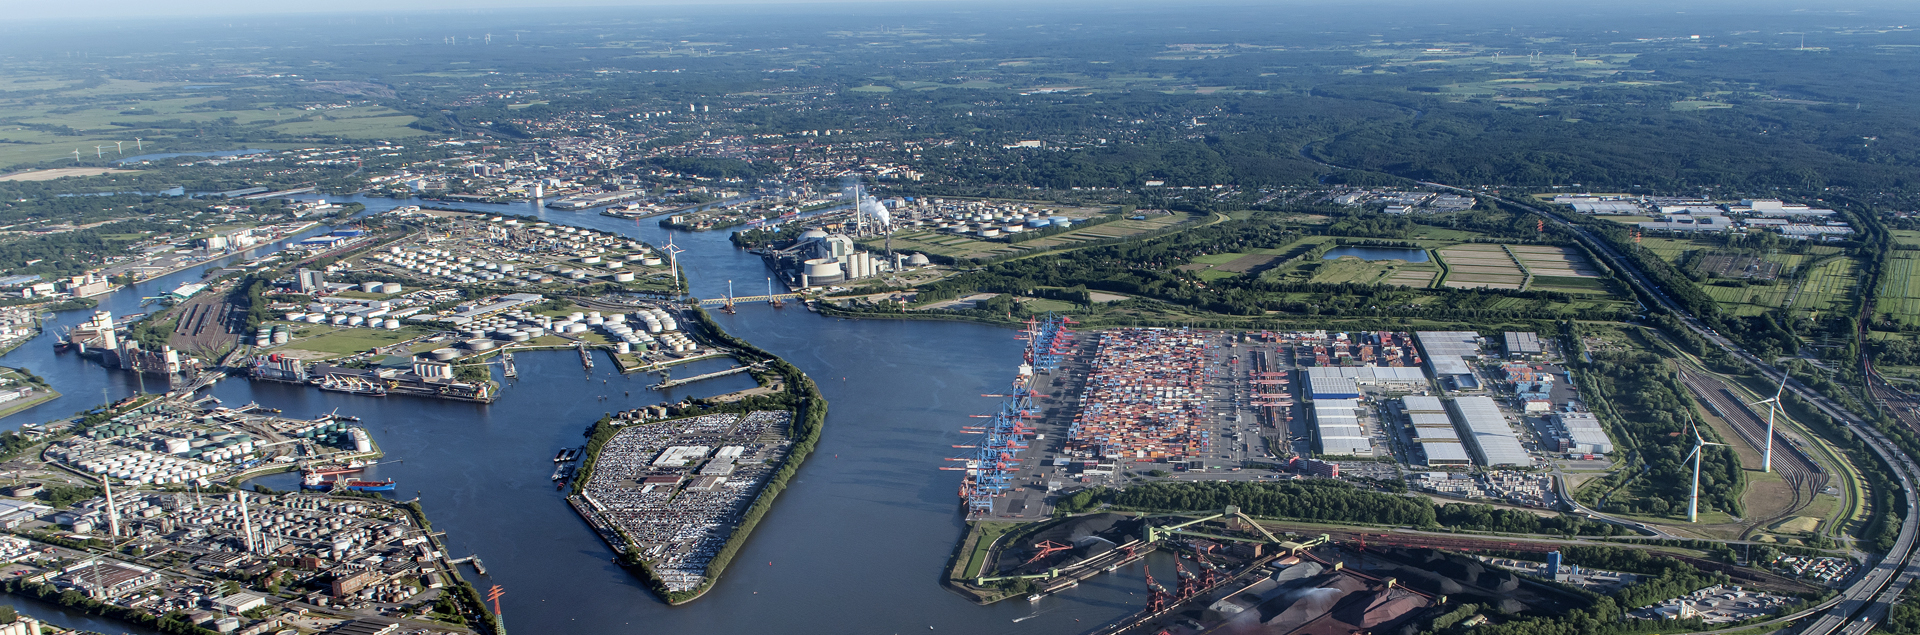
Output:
x,y
857,543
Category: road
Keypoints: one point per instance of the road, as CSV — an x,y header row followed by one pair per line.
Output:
x,y
1865,602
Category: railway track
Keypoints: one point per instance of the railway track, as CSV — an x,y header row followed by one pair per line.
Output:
x,y
1802,475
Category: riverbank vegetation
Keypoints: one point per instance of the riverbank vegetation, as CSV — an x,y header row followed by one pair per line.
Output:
x,y
1332,501
801,397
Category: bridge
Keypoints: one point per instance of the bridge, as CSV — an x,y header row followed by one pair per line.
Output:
x,y
751,298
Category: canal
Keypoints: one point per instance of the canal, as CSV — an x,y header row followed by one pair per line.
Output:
x,y
856,544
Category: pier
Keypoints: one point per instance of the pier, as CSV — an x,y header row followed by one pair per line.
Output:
x,y
718,373
478,566
586,355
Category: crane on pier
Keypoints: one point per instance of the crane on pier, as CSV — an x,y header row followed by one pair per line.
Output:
x,y
1157,595
772,299
728,307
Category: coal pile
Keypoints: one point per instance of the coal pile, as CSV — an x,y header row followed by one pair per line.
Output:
x,y
1087,537
1465,579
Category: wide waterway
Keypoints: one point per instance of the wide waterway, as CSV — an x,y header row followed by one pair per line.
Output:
x,y
857,543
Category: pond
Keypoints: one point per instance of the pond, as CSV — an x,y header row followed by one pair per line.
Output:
x,y
1378,253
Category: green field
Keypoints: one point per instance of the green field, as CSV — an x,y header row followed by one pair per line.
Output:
x,y
1899,293
168,117
346,341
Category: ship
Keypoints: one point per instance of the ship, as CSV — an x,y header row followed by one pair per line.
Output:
x,y
566,454
365,486
352,385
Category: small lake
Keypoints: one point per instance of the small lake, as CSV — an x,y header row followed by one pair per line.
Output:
x,y
1378,253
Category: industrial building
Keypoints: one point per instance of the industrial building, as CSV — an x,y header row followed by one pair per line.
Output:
x,y
1580,432
1523,345
1487,434
819,258
1446,357
1381,377
1337,427
1432,430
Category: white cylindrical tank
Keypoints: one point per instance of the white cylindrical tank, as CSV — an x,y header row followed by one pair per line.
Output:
x,y
391,324
361,443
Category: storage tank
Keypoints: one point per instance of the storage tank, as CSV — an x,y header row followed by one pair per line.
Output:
x,y
315,318
356,321
391,324
478,345
371,287
520,336
393,287
623,348
1061,221
443,354
296,317
624,276
281,337
361,443
340,319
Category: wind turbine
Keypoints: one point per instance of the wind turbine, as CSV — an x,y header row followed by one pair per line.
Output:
x,y
1693,500
76,154
137,146
97,153
1773,403
673,262
118,146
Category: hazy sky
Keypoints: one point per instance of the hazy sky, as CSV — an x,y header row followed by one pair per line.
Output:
x,y
91,10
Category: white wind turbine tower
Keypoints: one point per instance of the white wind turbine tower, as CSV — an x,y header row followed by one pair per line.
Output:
x,y
1693,500
118,146
1773,403
673,262
137,146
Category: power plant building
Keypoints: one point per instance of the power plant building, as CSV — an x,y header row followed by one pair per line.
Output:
x,y
819,258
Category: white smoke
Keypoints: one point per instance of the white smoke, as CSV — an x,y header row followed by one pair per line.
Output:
x,y
872,209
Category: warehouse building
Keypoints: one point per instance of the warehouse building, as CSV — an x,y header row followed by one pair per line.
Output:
x,y
1446,356
1580,432
1376,377
1337,428
1524,345
1487,435
1433,432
